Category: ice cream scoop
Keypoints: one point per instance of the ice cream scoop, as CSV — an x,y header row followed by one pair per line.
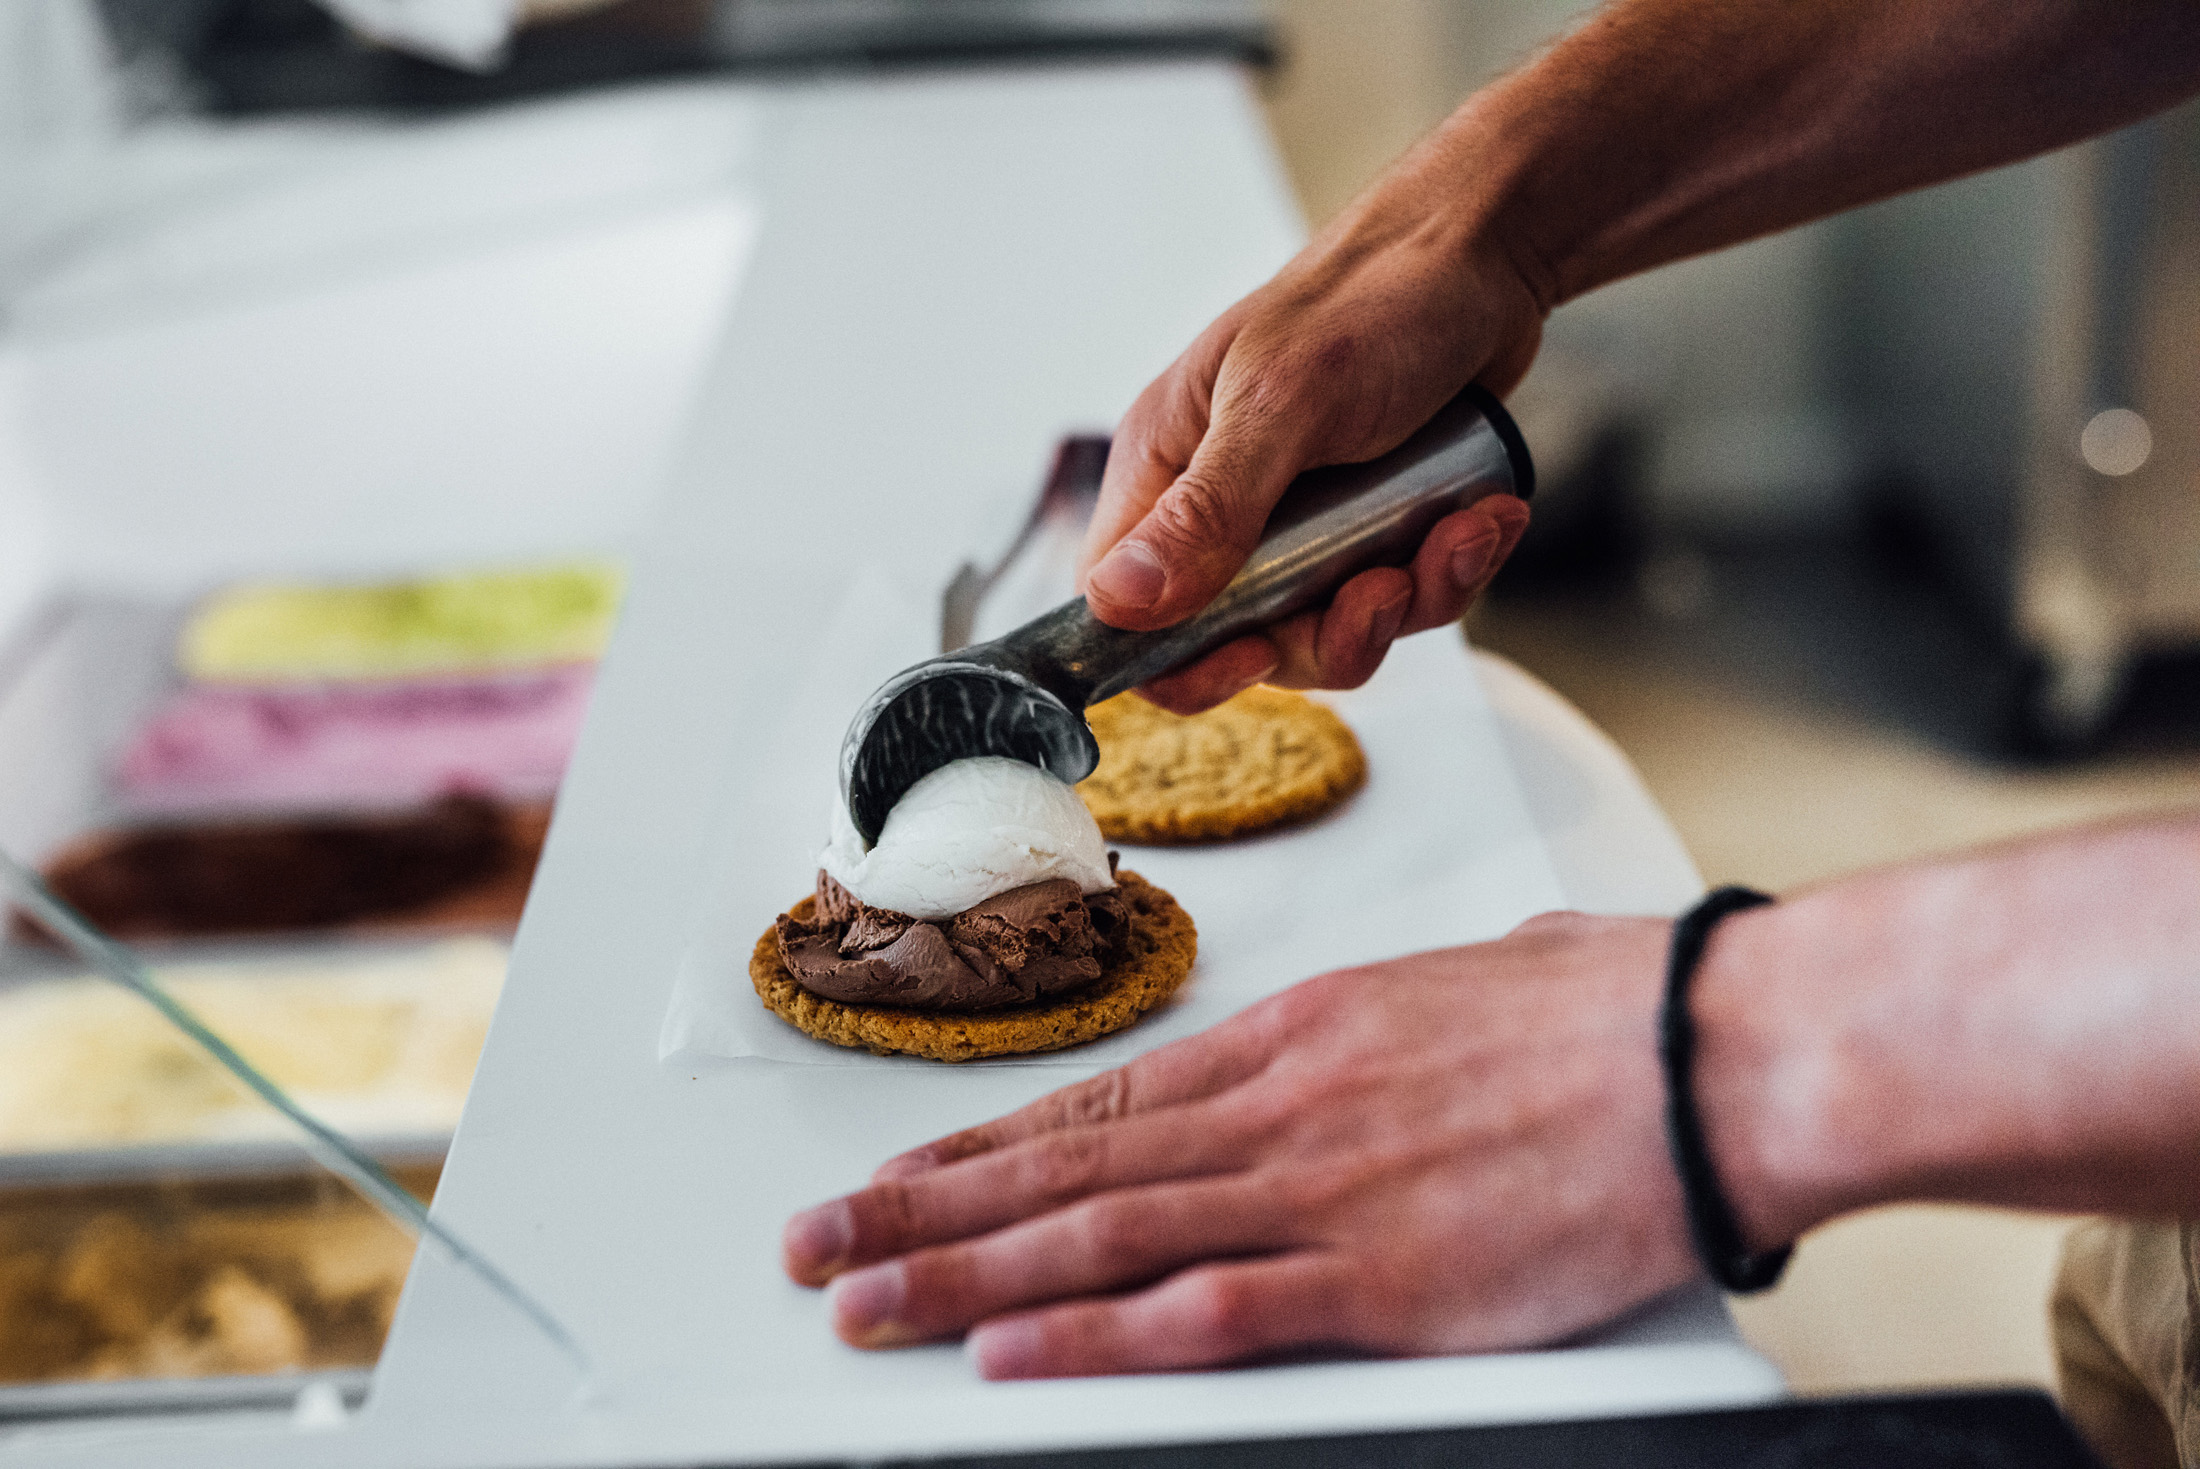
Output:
x,y
1023,696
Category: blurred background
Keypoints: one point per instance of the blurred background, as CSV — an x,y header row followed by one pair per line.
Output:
x,y
1872,540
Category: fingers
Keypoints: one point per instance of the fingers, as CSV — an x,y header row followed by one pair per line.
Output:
x,y
1189,545
1341,645
1057,1149
1198,1066
1002,1187
1198,480
1208,681
1154,443
1114,1242
1140,470
1206,1317
1461,555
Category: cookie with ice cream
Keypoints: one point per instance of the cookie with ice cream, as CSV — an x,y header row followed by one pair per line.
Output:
x,y
987,919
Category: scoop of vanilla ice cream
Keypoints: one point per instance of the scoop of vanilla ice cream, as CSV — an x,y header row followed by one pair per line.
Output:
x,y
968,831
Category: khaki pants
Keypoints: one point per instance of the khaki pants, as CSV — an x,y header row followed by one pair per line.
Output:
x,y
2126,1322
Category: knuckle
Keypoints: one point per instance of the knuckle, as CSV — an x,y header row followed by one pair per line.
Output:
x,y
1150,408
886,1216
1198,513
1287,1014
1350,670
1188,691
1275,391
1312,1002
1366,1308
1266,1116
1067,1166
1113,1235
1304,1195
1340,355
955,1148
937,1287
1103,1099
1555,924
1304,1000
1222,1312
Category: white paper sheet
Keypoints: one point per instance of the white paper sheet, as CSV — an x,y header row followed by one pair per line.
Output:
x,y
1437,849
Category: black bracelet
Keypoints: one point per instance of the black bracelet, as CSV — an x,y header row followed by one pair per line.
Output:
x,y
1711,1222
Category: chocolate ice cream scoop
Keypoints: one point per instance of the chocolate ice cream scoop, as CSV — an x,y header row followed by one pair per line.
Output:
x,y
1024,695
1039,941
463,860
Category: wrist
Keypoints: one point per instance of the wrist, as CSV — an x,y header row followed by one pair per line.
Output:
x,y
1547,174
1513,141
1768,1082
1485,158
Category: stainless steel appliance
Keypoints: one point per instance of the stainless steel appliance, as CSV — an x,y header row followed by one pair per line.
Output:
x,y
2022,352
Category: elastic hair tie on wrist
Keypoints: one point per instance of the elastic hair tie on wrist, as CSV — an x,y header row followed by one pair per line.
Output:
x,y
1711,1223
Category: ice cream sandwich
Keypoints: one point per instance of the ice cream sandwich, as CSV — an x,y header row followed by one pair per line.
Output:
x,y
987,920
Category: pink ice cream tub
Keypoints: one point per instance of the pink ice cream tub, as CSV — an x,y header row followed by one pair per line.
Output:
x,y
341,746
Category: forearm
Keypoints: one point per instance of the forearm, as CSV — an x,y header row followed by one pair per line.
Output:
x,y
2019,1027
1665,128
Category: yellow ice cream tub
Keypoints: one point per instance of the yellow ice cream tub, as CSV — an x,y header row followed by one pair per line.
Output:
x,y
475,622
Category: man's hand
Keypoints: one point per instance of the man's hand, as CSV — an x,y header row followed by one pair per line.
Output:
x,y
1457,1151
1464,1150
1655,130
1356,344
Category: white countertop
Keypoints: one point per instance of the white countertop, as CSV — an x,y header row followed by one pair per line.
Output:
x,y
950,272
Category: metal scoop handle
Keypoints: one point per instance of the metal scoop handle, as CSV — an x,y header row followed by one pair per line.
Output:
x,y
1329,526
1024,695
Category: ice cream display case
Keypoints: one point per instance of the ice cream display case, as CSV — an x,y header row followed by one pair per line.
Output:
x,y
200,429
315,813
318,808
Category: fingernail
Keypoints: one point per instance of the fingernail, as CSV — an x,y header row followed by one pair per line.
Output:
x,y
866,1301
1471,562
1389,618
1005,1349
1129,576
817,1240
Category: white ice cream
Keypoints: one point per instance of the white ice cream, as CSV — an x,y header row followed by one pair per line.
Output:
x,y
966,832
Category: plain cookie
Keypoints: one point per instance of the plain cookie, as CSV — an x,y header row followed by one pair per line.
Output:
x,y
1265,758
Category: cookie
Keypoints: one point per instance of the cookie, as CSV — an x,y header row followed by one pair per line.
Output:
x,y
1162,944
1264,758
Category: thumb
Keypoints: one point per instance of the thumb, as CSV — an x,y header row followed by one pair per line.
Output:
x,y
1200,529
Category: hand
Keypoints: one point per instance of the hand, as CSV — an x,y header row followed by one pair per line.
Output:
x,y
1353,346
1457,1151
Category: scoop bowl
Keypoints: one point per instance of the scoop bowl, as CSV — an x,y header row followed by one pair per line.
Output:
x,y
975,701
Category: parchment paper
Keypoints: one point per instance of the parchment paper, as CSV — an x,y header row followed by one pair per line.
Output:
x,y
1437,849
